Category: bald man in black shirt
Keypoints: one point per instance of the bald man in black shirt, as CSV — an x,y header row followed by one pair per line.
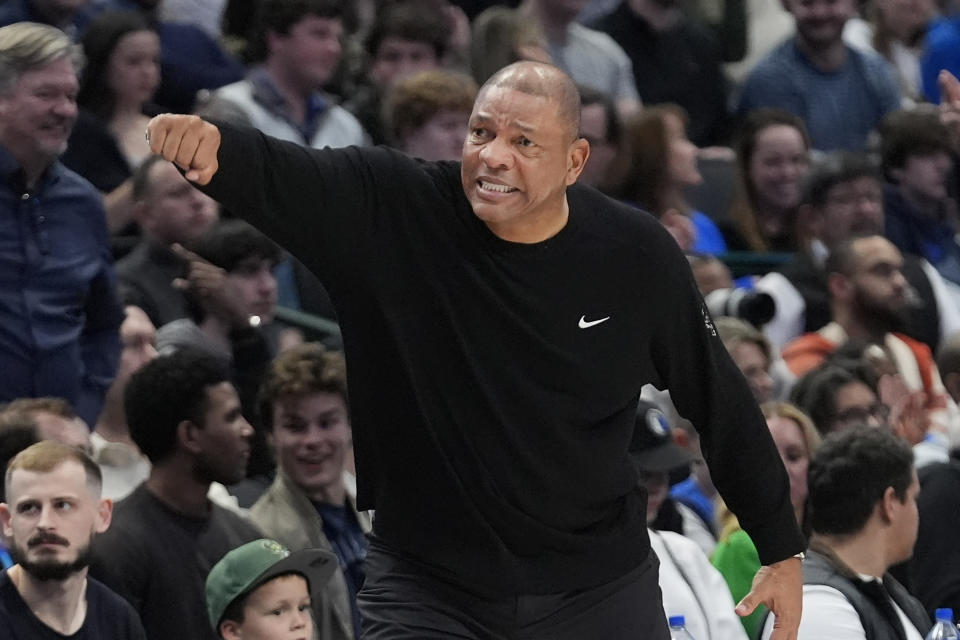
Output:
x,y
499,322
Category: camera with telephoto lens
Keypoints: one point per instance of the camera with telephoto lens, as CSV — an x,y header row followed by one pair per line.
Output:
x,y
755,307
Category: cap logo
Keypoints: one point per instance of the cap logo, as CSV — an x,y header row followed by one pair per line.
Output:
x,y
657,423
275,547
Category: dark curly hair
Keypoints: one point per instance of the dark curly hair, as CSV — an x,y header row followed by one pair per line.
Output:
x,y
304,369
165,392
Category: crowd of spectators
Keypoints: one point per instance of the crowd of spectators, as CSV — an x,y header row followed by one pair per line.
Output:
x,y
175,355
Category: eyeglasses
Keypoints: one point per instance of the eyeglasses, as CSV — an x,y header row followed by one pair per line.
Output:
x,y
879,412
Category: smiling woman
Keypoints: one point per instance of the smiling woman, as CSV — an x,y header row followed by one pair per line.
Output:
x,y
772,160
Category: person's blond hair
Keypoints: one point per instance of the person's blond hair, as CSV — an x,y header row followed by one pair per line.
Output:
x,y
47,455
25,46
48,404
733,331
729,524
811,437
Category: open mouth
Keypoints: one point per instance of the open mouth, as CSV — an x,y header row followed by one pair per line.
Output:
x,y
493,187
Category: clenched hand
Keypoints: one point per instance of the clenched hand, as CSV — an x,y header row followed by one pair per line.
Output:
x,y
188,141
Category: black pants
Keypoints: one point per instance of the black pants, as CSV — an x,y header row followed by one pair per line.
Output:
x,y
400,601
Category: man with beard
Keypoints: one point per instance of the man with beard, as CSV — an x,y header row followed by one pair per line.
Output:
x,y
843,198
184,415
869,296
52,513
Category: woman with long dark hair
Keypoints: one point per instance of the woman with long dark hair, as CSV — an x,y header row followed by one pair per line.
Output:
x,y
118,83
772,161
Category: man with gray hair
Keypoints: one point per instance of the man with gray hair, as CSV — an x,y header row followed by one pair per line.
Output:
x,y
59,312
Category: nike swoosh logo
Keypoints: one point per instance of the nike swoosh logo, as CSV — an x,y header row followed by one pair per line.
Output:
x,y
586,324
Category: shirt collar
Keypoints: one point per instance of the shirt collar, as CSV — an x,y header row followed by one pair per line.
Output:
x,y
12,174
10,170
266,93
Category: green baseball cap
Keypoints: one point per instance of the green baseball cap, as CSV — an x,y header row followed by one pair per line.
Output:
x,y
251,565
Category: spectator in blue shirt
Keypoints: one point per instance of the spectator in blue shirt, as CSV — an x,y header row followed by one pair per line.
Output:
x,y
917,161
59,313
840,93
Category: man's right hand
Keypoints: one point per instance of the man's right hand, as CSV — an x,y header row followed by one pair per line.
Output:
x,y
188,141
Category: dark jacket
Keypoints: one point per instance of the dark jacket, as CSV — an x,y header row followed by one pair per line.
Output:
x,y
869,599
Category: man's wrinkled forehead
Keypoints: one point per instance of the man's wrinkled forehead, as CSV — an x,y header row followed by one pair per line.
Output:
x,y
540,80
876,255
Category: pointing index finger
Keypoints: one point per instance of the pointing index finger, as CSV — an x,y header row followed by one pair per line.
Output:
x,y
186,254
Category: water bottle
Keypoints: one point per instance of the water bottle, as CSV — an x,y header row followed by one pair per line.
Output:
x,y
678,628
943,629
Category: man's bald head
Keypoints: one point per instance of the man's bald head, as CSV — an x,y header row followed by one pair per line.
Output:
x,y
545,81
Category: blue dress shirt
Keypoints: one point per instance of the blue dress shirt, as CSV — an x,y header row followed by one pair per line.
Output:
x,y
59,310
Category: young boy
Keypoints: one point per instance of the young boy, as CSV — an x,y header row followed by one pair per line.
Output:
x,y
260,591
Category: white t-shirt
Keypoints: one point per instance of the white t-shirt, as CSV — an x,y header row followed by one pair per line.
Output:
x,y
828,614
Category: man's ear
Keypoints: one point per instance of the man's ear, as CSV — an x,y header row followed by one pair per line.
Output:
x,y
142,214
272,40
187,436
5,516
577,156
104,515
889,504
839,286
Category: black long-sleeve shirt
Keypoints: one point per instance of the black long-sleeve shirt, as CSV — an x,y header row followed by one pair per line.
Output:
x,y
490,429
